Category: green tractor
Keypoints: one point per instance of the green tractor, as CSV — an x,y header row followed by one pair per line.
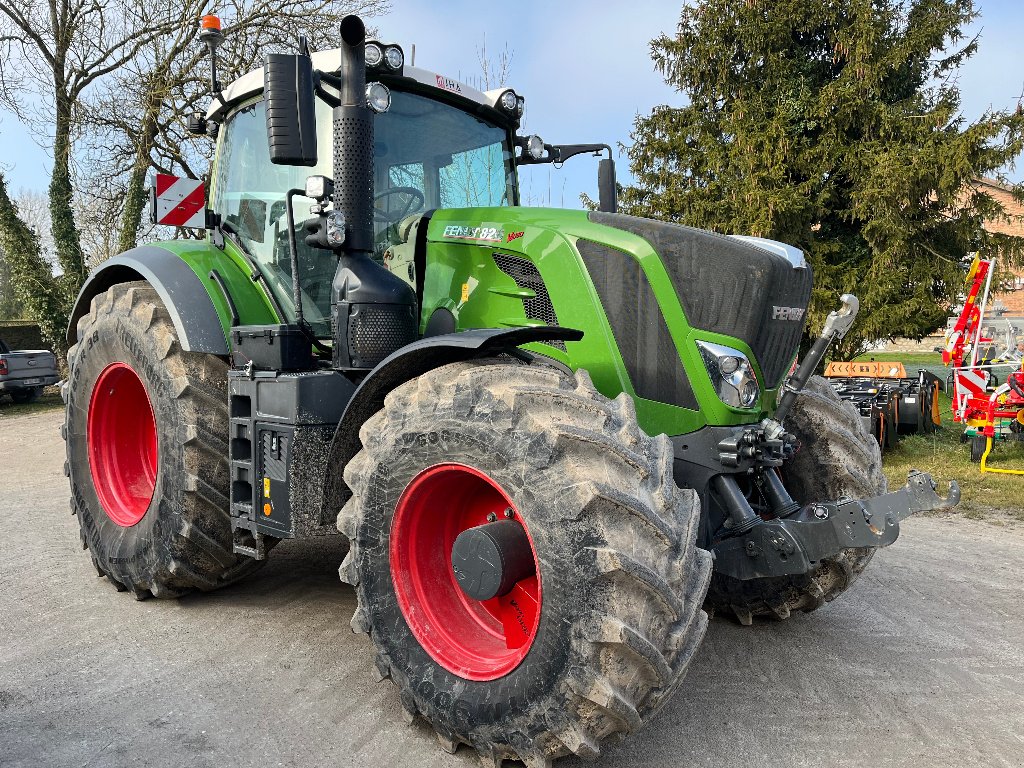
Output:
x,y
555,440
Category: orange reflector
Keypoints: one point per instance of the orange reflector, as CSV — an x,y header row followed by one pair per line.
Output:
x,y
267,510
874,370
210,22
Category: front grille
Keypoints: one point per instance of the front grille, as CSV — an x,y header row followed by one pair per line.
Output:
x,y
639,328
525,273
729,286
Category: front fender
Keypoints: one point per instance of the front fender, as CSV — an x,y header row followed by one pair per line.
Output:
x,y
406,364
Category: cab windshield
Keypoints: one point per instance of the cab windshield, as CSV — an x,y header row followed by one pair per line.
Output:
x,y
427,155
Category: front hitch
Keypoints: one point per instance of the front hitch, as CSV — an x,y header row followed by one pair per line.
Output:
x,y
796,544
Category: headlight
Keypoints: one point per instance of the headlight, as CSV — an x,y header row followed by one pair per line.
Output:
x,y
378,97
520,105
394,57
731,374
374,54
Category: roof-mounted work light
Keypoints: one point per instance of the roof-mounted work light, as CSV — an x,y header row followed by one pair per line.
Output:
x,y
384,57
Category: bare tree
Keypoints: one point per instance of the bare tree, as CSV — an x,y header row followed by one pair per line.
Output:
x,y
137,121
54,50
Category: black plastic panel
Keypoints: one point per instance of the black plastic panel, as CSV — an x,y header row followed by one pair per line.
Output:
x,y
729,286
640,331
525,273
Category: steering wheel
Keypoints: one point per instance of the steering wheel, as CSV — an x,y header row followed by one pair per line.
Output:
x,y
414,202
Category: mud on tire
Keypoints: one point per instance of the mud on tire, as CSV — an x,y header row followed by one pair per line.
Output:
x,y
183,541
836,458
623,583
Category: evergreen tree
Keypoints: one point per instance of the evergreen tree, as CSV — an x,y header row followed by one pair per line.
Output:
x,y
833,125
40,295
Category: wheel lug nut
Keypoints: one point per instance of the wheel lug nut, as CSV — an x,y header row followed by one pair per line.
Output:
x,y
509,514
491,517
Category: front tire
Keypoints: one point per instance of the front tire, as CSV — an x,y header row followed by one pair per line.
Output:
x,y
836,457
620,582
146,426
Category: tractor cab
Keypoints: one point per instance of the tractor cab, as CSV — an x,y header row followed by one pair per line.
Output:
x,y
437,144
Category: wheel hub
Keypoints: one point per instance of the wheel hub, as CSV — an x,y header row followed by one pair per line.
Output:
x,y
468,587
490,559
123,453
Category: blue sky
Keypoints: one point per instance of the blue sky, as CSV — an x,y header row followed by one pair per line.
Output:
x,y
585,71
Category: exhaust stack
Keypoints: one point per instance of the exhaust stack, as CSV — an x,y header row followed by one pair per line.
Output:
x,y
353,140
373,311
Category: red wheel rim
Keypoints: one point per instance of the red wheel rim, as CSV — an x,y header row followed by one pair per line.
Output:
x,y
476,640
123,452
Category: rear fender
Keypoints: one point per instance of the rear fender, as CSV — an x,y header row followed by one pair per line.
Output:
x,y
406,364
199,308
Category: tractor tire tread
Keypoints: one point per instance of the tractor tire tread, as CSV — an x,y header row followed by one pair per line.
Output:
x,y
629,657
199,555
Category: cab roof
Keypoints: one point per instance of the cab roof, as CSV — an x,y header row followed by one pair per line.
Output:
x,y
442,86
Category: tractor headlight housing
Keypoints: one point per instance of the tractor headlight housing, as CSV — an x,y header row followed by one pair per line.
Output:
x,y
731,374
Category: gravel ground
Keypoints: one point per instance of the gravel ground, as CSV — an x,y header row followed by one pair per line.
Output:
x,y
920,664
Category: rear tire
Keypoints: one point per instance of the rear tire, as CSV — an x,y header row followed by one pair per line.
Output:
x,y
622,582
23,396
836,458
170,532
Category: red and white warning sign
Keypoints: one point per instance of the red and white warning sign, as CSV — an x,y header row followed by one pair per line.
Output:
x,y
179,202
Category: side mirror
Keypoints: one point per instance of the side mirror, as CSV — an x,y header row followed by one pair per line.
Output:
x,y
607,199
291,109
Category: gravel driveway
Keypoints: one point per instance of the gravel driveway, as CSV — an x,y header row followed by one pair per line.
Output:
x,y
922,663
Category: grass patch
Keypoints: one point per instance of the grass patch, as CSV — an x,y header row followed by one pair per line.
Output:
x,y
946,458
48,401
909,359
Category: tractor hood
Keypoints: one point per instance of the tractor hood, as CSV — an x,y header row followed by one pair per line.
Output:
x,y
749,288
648,296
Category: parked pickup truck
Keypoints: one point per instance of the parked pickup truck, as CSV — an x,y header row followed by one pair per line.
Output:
x,y
24,374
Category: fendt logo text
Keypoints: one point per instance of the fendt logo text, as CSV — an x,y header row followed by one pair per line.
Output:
x,y
787,313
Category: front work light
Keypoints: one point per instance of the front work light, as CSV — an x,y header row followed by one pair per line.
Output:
x,y
378,97
319,188
731,374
